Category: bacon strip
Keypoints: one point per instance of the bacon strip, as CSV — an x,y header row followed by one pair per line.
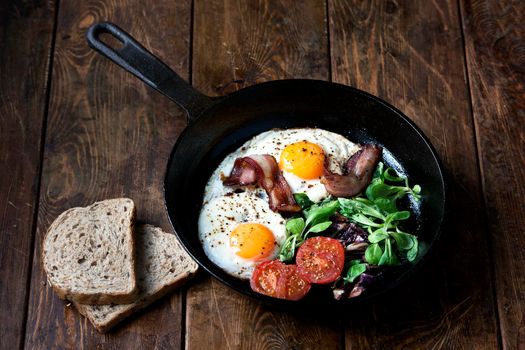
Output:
x,y
262,169
357,175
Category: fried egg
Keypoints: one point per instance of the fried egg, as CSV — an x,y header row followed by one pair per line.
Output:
x,y
238,231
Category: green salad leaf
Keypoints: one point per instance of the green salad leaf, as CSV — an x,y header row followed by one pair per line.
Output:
x,y
303,200
319,213
320,227
295,226
373,254
357,267
412,252
403,240
389,257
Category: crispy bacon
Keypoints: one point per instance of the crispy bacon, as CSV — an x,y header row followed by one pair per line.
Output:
x,y
357,173
262,170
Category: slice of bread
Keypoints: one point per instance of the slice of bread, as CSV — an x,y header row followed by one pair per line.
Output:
x,y
88,253
162,265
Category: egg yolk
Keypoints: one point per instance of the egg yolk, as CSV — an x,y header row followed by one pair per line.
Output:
x,y
303,159
252,241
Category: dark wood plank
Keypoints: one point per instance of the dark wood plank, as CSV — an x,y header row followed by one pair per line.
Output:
x,y
495,48
26,31
237,44
410,53
108,135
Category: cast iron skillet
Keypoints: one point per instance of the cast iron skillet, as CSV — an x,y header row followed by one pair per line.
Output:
x,y
218,126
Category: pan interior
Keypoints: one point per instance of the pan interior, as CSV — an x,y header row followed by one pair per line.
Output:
x,y
354,114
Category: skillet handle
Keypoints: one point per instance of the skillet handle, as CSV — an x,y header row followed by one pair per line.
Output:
x,y
137,60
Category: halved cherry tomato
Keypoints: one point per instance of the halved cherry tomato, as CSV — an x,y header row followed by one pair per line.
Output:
x,y
320,259
296,286
278,280
266,278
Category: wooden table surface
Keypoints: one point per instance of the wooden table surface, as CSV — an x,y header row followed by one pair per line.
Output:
x,y
75,128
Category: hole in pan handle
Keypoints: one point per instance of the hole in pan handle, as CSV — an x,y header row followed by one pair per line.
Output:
x,y
137,60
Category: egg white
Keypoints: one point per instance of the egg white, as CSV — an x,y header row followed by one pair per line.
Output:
x,y
219,217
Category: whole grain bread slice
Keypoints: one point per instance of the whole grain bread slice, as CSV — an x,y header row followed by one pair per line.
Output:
x,y
88,253
162,265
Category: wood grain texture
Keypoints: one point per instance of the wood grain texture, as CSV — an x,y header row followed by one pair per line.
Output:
x,y
241,43
237,44
410,53
26,31
495,48
108,135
